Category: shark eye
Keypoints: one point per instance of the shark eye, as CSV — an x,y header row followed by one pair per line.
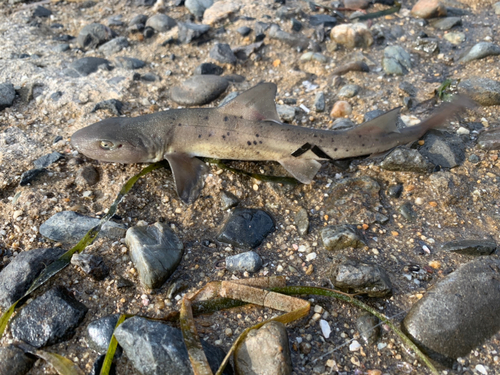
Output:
x,y
108,145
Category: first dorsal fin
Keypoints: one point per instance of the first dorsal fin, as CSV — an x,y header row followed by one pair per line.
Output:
x,y
256,104
385,123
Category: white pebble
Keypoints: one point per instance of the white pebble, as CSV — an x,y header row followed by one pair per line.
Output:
x,y
481,369
463,131
419,201
325,328
354,346
311,256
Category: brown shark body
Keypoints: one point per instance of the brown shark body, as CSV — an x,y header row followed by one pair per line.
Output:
x,y
246,128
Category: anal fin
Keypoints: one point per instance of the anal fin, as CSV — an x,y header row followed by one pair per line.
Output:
x,y
188,175
303,170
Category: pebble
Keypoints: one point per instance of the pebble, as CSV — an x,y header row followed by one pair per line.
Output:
x,y
42,12
319,101
223,53
87,65
264,351
130,63
229,200
480,51
93,35
249,261
368,327
49,319
354,346
244,30
114,46
13,361
60,48
396,60
198,7
446,23
443,149
199,90
456,37
189,31
428,9
352,35
7,95
325,328
490,139
406,210
286,112
93,265
496,7
219,11
484,91
298,41
161,22
337,237
86,176
395,191
470,247
348,91
153,346
48,159
97,366
341,108
113,105
31,175
302,221
99,333
155,251
69,227
246,227
405,159
322,20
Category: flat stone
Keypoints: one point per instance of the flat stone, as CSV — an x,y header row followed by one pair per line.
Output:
x,y
428,9
229,200
48,159
337,237
31,175
199,90
219,11
70,227
322,19
298,41
42,12
87,65
368,327
405,159
129,63
348,91
249,262
100,331
189,31
161,22
484,91
7,95
446,23
223,53
490,139
246,227
396,60
13,361
470,247
443,149
459,313
286,112
155,251
198,7
319,102
19,274
301,219
208,68
49,319
480,51
114,46
113,105
244,30
93,35
93,265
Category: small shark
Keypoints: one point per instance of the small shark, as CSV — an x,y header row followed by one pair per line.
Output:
x,y
246,128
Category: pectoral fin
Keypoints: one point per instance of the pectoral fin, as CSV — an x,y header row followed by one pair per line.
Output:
x,y
303,170
188,175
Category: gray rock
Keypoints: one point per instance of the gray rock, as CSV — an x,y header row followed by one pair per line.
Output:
x,y
70,227
264,351
113,105
93,35
7,95
286,112
444,149
446,23
370,115
484,91
348,91
198,7
116,20
19,274
155,251
48,159
322,19
470,247
459,313
42,12
97,366
396,60
100,331
405,159
93,265
480,51
87,65
223,53
246,227
199,90
337,237
150,77
406,210
368,327
153,347
496,7
13,361
49,319
354,276
31,175
139,19
395,191
244,52
129,63
319,102
408,88
249,261
490,139
60,48
87,176
229,200
302,221
114,46
189,31
427,45
244,30
161,22
298,41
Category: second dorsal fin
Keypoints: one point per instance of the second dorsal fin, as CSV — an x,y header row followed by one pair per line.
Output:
x,y
384,124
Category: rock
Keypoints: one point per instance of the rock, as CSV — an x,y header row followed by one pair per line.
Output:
x,y
198,7
31,175
322,19
139,19
7,95
97,366
93,35
155,251
19,274
87,176
396,60
153,346
405,159
298,41
70,227
470,247
60,48
484,91
223,53
116,20
208,68
348,91
148,32
341,108
352,35
354,276
229,200
395,191
219,11
199,90
49,319
337,237
161,22
448,188
358,4
286,112
264,351
446,23
406,210
480,51
490,139
189,31
427,45
114,46
42,12
244,52
13,361
249,262
428,9
370,115
455,37
319,101
92,265
150,77
87,65
48,159
496,7
99,333
246,227
459,313
444,149
296,25
130,63
368,327
113,105
302,221
244,30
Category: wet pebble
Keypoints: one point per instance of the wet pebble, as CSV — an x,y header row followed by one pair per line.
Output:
x,y
428,9
352,35
7,95
368,327
93,265
246,227
155,251
229,200
490,139
480,51
99,333
86,176
189,31
70,227
249,261
223,53
395,191
319,102
198,7
114,46
470,247
13,361
87,65
161,22
341,108
302,221
443,149
446,23
31,175
153,346
93,35
49,319
264,351
337,237
199,90
129,62
48,159
405,159
348,91
484,91
396,60
406,210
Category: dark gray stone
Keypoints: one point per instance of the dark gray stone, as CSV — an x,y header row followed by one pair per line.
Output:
x,y
246,227
244,52
244,30
484,91
348,91
405,159
370,115
150,77
87,65
49,319
249,261
155,251
408,88
229,200
189,31
337,237
138,19
470,247
368,327
116,20
97,366
93,35
129,63
443,149
446,23
198,7
406,210
296,25
113,105
480,51
354,276
161,22
199,90
396,60
223,53
459,313
153,347
93,265
319,102
13,361
70,227
302,221
99,333
322,19
298,41
114,46
490,139
7,95
395,191
42,12
60,48
46,160
87,176
31,175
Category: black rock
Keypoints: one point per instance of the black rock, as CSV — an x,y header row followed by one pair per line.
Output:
x,y
28,176
223,53
208,68
246,227
93,35
296,25
113,105
42,12
189,31
87,65
7,95
470,247
13,361
229,200
129,63
395,191
92,265
150,77
443,149
97,366
244,30
49,319
148,32
322,19
199,90
46,160
99,333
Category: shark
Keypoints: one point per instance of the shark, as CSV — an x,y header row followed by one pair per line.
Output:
x,y
246,128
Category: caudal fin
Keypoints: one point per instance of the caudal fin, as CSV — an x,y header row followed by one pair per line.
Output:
x,y
446,111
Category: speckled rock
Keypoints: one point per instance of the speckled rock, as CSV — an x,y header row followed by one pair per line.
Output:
x,y
7,95
336,237
302,221
249,261
405,159
199,90
13,361
352,35
100,331
93,265
368,327
348,91
396,60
